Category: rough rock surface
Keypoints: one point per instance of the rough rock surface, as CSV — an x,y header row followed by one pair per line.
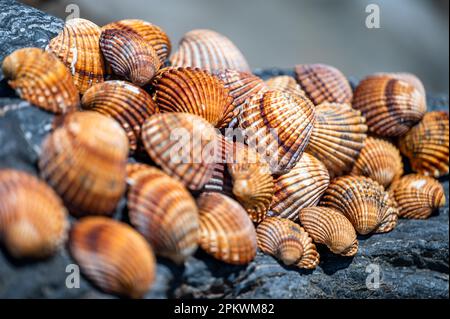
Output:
x,y
412,261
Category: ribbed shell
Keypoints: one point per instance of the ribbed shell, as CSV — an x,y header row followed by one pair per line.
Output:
x,y
391,106
280,123
329,227
33,220
78,47
379,160
364,202
338,137
417,196
208,50
226,231
151,33
41,79
221,180
126,103
288,242
301,187
166,135
323,83
285,83
194,91
163,211
84,160
407,77
427,144
113,256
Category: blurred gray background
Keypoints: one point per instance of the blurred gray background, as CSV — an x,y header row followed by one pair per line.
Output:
x,y
413,35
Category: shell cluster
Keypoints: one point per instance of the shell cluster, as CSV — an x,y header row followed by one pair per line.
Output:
x,y
202,153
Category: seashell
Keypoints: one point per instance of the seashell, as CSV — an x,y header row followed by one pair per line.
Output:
x,y
180,143
194,91
84,160
113,256
323,83
299,188
279,123
288,242
286,84
126,103
221,180
253,185
338,137
407,77
364,202
417,196
379,160
226,231
77,46
41,79
129,55
391,106
33,220
210,51
329,227
163,211
151,33
427,144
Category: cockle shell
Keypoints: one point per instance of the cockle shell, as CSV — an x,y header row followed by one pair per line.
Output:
x,y
427,144
113,255
323,83
41,79
163,211
210,51
180,143
337,137
281,124
84,160
417,196
126,103
364,202
379,160
194,91
329,227
226,231
33,220
78,47
391,106
288,242
301,187
129,55
285,83
151,33
407,77
221,180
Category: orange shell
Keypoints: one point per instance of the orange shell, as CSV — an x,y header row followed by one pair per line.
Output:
x,y
285,83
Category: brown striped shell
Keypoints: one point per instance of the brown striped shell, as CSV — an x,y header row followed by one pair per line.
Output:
x,y
329,227
281,124
427,144
380,160
84,160
226,231
364,202
417,196
299,188
288,242
41,79
323,83
407,77
210,51
179,144
221,180
151,33
113,256
78,47
391,106
33,220
338,137
129,55
163,211
126,103
194,91
285,83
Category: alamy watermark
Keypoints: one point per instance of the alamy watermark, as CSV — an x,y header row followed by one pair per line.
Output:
x,y
373,17
374,277
73,11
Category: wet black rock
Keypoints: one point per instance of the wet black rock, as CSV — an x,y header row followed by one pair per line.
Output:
x,y
409,262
